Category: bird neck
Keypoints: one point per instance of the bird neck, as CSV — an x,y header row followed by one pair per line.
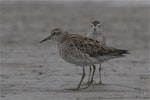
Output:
x,y
63,37
97,33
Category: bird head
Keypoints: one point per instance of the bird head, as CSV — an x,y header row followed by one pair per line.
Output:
x,y
55,34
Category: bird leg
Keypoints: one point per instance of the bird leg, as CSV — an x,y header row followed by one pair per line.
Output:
x,y
92,75
88,81
91,81
89,74
100,81
83,75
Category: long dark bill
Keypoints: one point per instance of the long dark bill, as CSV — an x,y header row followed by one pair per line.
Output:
x,y
46,39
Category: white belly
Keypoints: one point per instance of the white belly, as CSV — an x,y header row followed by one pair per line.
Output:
x,y
77,58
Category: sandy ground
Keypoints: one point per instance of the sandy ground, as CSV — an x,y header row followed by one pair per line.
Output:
x,y
33,71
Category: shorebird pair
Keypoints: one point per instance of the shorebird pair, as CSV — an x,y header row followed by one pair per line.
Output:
x,y
83,51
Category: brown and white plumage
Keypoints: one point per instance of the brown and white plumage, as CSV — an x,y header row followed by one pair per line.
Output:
x,y
82,51
95,33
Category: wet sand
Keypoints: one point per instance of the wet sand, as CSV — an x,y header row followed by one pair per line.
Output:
x,y
33,71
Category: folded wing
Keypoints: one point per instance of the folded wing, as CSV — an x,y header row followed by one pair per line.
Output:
x,y
94,48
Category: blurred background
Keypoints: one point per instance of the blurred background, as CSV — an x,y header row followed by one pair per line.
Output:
x,y
33,68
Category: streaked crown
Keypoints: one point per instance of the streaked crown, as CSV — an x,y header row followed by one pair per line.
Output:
x,y
56,31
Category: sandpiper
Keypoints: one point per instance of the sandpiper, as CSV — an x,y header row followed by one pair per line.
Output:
x,y
96,33
82,51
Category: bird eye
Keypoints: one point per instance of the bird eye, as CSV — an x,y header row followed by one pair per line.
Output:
x,y
91,25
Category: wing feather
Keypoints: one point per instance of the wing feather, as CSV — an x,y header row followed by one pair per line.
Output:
x,y
94,48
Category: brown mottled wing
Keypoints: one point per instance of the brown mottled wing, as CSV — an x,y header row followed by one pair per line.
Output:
x,y
94,48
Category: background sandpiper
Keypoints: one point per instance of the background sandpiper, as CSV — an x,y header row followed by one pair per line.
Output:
x,y
96,33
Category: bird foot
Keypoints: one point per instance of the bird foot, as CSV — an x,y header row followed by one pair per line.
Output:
x,y
89,84
73,89
100,83
84,84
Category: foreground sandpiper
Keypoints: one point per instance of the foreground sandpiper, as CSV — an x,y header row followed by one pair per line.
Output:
x,y
82,51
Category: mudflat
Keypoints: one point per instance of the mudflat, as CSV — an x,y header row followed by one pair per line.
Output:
x,y
33,71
